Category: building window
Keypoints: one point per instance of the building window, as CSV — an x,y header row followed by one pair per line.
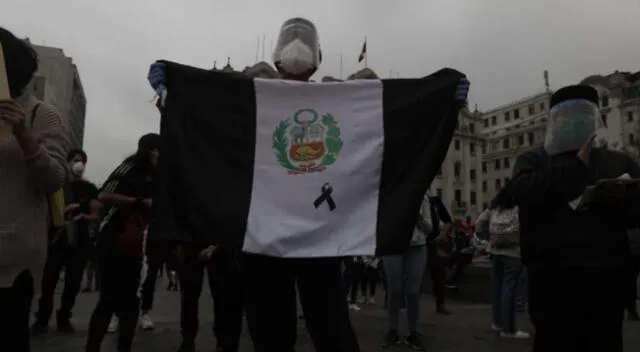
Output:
x,y
494,120
516,114
472,198
456,144
472,128
505,143
484,148
530,137
497,164
472,174
506,163
495,146
604,119
458,196
632,139
484,167
521,139
456,169
605,101
629,116
498,184
542,107
532,109
484,186
486,123
439,192
472,148
507,116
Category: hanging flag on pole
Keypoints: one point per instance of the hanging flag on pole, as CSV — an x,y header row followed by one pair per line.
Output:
x,y
363,52
338,169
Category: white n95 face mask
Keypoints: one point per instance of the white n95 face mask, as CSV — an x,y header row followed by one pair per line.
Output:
x,y
78,168
296,58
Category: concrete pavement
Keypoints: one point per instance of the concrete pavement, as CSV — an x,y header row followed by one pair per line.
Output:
x,y
468,329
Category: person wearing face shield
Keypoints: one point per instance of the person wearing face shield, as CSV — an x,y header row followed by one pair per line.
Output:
x,y
70,247
575,249
127,196
271,282
271,313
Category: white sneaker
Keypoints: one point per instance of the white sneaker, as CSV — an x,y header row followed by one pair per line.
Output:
x,y
495,327
354,307
518,335
113,324
145,322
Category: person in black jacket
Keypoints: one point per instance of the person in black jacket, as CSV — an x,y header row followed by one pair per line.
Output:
x,y
127,193
575,254
70,248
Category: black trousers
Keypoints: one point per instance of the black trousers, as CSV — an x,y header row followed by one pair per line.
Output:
x,y
15,308
272,305
119,295
633,270
73,260
370,281
437,267
226,286
154,263
357,280
577,309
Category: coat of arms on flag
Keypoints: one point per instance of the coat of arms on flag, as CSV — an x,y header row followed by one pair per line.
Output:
x,y
307,142
299,169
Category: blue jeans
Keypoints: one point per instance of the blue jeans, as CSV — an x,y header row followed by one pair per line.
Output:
x,y
505,276
404,274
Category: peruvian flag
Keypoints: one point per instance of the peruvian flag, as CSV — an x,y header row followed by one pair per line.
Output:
x,y
363,52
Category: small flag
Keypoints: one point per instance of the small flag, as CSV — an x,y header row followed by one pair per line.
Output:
x,y
363,52
335,169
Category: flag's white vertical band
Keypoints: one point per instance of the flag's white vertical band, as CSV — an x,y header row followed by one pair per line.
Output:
x,y
298,121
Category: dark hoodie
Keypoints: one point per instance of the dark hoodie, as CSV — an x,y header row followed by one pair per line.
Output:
x,y
552,233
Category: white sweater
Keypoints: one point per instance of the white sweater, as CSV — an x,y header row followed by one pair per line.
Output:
x,y
24,186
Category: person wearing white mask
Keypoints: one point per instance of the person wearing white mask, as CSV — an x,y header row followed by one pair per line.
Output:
x,y
271,314
271,282
69,249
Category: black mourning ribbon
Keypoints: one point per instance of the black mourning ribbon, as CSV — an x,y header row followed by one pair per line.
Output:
x,y
325,196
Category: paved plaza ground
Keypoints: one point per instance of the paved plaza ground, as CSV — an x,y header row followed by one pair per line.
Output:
x,y
466,330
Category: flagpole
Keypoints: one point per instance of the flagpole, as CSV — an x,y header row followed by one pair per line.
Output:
x,y
258,50
340,66
263,40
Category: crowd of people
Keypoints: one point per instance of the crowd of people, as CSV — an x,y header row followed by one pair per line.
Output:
x,y
52,220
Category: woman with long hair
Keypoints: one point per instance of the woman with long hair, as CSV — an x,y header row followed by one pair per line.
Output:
x,y
33,165
127,196
503,225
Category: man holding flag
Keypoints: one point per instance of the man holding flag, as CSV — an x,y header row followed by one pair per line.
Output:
x,y
289,244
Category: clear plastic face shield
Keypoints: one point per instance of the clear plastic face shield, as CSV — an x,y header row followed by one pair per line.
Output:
x,y
571,123
297,51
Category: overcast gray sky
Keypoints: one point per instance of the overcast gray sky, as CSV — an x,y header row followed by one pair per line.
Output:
x,y
502,45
